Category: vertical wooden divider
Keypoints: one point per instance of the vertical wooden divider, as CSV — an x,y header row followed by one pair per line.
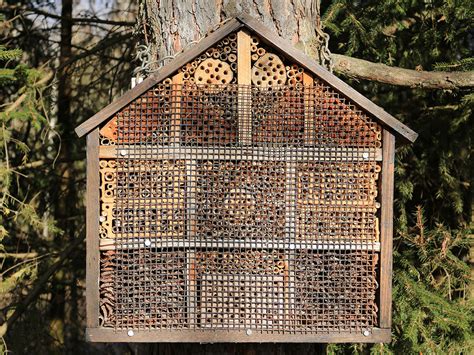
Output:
x,y
386,229
290,213
191,287
175,129
92,230
309,124
244,77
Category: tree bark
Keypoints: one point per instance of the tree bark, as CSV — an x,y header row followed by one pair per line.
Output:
x,y
365,70
172,24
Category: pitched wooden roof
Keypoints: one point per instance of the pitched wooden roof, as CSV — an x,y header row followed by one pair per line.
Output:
x,y
273,40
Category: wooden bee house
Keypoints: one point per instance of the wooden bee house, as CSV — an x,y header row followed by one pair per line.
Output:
x,y
242,193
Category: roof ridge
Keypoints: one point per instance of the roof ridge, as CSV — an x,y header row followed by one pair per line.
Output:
x,y
273,40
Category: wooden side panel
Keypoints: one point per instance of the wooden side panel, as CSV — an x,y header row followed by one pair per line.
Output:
x,y
244,73
92,229
386,229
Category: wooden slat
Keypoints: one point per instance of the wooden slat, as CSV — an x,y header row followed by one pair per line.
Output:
x,y
92,229
290,52
244,153
233,336
191,198
386,229
290,225
177,81
158,76
290,200
309,118
133,243
191,286
244,75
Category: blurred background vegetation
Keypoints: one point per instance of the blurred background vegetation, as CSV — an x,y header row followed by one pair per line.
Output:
x,y
62,61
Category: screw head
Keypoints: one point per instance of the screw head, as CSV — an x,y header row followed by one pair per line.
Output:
x,y
248,332
147,242
123,152
130,333
366,333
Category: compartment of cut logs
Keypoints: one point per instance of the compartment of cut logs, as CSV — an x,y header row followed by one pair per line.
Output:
x,y
240,200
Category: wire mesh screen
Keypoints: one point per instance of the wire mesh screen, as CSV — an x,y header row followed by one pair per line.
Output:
x,y
231,207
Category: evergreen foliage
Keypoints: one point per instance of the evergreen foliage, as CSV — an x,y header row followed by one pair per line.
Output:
x,y
23,117
433,307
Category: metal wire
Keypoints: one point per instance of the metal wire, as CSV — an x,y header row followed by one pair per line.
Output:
x,y
236,207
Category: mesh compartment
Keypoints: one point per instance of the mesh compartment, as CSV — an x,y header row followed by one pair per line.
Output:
x,y
232,207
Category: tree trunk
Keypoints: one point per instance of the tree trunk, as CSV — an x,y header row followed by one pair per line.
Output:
x,y
172,24
175,23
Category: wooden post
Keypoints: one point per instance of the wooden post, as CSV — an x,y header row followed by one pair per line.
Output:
x,y
386,229
244,77
92,230
291,197
175,128
309,128
191,198
191,288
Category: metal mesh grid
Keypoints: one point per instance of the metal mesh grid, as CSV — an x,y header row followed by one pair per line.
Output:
x,y
235,207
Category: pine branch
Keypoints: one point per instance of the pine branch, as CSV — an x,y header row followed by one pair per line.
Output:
x,y
76,20
365,70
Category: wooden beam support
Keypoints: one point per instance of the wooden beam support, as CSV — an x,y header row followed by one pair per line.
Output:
x,y
233,336
309,117
386,229
244,77
244,153
176,86
134,243
92,229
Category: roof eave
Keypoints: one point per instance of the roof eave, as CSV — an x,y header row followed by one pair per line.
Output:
x,y
390,122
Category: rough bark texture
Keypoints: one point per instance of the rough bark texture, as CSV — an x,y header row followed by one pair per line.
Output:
x,y
363,69
173,24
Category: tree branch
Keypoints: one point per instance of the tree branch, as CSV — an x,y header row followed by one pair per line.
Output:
x,y
365,70
38,287
76,20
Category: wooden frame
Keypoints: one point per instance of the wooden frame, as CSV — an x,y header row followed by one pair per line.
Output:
x,y
92,230
228,336
386,229
385,155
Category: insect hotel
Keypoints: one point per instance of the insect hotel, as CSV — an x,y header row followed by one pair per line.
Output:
x,y
241,193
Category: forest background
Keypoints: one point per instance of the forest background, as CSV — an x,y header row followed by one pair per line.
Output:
x,y
62,61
